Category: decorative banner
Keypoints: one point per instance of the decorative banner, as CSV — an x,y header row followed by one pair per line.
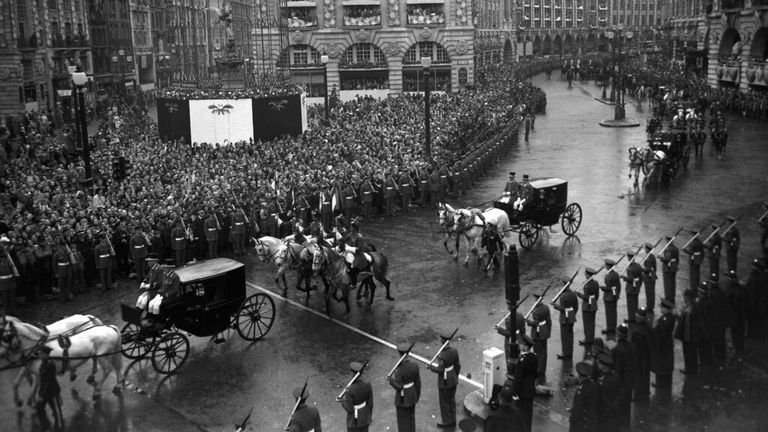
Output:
x,y
276,116
221,120
173,119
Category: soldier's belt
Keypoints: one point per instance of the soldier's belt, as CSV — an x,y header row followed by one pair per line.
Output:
x,y
6,276
367,193
139,247
443,176
324,203
211,229
568,310
238,223
104,256
359,407
591,299
445,372
389,187
406,386
178,238
541,323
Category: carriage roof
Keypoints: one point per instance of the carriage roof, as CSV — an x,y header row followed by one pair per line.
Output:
x,y
547,182
206,269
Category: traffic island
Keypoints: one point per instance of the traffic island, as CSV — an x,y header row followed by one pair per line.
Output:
x,y
623,123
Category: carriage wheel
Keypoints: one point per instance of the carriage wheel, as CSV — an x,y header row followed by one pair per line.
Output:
x,y
135,344
686,156
529,233
170,353
570,220
255,317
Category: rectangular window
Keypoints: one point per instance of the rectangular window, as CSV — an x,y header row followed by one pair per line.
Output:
x,y
28,73
53,5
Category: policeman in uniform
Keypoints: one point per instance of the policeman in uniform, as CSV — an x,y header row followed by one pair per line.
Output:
x,y
48,391
663,331
366,198
585,410
625,365
610,393
237,230
103,257
713,247
633,279
589,299
526,375
179,243
647,349
690,330
506,417
612,291
448,368
212,227
540,322
707,307
568,306
732,240
736,310
406,185
358,402
434,188
716,322
306,418
670,262
423,186
138,244
407,384
63,263
696,252
649,278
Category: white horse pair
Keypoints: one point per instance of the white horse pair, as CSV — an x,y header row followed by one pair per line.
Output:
x,y
87,339
471,224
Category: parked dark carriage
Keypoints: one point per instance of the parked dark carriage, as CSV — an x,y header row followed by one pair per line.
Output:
x,y
202,299
548,205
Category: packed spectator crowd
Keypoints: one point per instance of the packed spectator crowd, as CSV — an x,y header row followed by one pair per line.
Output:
x,y
426,14
302,17
362,16
47,207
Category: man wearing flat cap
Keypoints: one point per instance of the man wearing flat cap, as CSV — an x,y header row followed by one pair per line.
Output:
x,y
406,381
663,330
306,418
736,310
585,410
589,299
649,277
524,384
670,262
358,402
540,322
612,290
447,368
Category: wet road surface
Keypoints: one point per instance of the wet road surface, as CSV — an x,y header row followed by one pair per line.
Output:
x,y
220,383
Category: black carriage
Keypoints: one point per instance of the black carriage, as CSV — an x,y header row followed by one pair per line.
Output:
x,y
206,298
547,205
674,144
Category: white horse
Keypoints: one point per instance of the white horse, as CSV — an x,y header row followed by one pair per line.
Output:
x,y
267,249
472,223
100,344
445,214
64,327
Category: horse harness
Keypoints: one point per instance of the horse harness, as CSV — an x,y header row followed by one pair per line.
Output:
x,y
470,223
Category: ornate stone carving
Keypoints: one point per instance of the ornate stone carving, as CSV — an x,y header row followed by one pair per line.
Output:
x,y
297,37
390,49
462,47
363,35
425,33
332,50
329,6
394,13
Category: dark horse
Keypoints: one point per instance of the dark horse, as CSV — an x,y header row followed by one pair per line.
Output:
x,y
332,268
367,262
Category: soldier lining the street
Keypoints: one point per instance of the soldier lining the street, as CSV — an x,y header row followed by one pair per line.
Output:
x,y
406,381
540,322
306,418
568,306
612,291
695,250
358,402
633,279
649,278
585,408
670,262
447,368
589,299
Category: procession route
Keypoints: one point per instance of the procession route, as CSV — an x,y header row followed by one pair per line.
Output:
x,y
551,415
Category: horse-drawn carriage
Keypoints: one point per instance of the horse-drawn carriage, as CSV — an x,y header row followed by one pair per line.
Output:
x,y
203,299
674,148
547,205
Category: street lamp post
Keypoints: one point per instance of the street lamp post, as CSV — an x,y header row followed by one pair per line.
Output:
x,y
324,60
426,63
79,79
617,89
118,62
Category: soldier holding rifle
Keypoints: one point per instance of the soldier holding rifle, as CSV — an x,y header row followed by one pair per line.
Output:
x,y
406,381
670,256
63,261
139,242
8,275
589,299
303,418
612,291
632,274
695,250
212,228
713,245
568,307
103,255
540,321
649,276
179,242
357,400
447,366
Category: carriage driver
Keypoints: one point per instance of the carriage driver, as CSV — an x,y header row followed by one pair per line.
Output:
x,y
511,189
526,192
149,289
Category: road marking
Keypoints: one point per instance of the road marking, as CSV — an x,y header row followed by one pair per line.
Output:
x,y
352,328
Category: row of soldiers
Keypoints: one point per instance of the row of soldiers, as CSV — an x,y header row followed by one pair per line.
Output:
x,y
357,396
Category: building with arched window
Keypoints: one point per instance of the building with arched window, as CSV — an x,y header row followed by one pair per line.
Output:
x,y
372,46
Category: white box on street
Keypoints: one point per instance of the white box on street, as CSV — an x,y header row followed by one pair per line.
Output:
x,y
494,371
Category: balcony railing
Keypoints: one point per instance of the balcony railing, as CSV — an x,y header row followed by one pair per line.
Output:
x,y
70,42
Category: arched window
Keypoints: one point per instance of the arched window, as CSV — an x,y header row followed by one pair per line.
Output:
x,y
363,67
426,49
364,53
299,56
306,69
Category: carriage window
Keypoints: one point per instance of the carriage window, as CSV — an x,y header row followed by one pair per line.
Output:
x,y
199,289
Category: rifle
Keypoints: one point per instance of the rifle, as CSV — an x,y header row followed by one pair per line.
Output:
x,y
14,270
634,257
296,405
389,375
241,209
670,242
538,301
733,223
510,313
698,233
354,378
72,259
218,225
445,344
562,290
109,243
649,252
760,220
189,234
712,234
146,238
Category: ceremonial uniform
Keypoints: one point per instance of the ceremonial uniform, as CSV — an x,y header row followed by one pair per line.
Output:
x,y
732,240
670,262
541,329
326,207
448,369
407,384
366,198
237,230
390,189
179,245
63,264
423,186
585,409
589,306
212,235
610,397
713,247
434,189
716,322
358,403
103,258
736,311
649,278
139,253
646,348
663,331
444,178
568,306
305,419
49,394
695,250
348,196
634,280
524,385
612,291
406,191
